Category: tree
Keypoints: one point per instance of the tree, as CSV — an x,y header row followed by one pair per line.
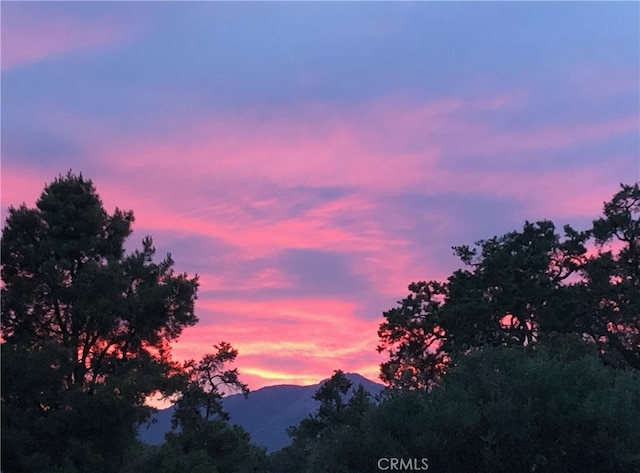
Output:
x,y
519,288
612,281
331,395
201,398
508,297
552,407
332,398
338,416
201,438
86,331
413,337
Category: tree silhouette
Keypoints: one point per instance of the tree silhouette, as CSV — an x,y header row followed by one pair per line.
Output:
x,y
518,289
86,331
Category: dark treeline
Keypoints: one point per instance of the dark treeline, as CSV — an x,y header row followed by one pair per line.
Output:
x,y
525,360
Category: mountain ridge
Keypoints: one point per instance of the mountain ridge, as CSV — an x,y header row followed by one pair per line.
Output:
x,y
266,413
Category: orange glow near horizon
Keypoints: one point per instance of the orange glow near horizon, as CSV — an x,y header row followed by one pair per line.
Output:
x,y
287,341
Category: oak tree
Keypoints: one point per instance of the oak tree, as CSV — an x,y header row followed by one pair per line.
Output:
x,y
520,287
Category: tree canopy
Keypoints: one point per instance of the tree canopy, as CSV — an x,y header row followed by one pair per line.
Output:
x,y
520,287
341,410
86,330
552,406
86,340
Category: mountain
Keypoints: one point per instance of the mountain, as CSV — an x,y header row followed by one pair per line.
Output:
x,y
265,414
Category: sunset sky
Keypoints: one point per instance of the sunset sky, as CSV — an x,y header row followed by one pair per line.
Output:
x,y
310,160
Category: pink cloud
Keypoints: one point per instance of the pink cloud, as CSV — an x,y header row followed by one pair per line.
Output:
x,y
322,149
352,224
22,184
550,194
319,334
390,146
28,36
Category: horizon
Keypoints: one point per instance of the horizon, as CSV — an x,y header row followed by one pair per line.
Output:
x,y
310,161
161,405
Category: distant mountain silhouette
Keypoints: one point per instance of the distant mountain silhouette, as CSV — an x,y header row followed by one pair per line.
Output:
x,y
265,414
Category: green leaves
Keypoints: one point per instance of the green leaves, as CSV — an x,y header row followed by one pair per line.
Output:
x,y
327,441
202,439
86,327
621,217
412,336
206,381
551,407
517,289
571,412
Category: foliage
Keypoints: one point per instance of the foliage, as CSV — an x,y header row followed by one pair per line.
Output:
x,y
201,438
520,288
341,409
86,331
201,396
210,446
551,407
612,287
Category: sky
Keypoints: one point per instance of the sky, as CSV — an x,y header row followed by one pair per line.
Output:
x,y
310,160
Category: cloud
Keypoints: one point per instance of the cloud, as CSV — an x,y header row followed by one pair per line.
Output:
x,y
390,146
317,335
22,185
325,181
30,35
